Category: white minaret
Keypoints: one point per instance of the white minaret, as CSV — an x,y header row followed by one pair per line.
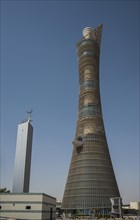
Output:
x,y
21,179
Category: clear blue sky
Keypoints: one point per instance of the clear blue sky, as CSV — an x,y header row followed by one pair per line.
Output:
x,y
39,71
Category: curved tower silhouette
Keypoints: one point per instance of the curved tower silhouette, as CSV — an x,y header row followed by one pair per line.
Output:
x,y
91,180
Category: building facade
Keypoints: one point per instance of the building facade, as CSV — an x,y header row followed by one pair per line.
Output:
x,y
22,166
91,180
135,205
31,206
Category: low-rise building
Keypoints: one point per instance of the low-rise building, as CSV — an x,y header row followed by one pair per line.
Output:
x,y
131,210
135,205
32,206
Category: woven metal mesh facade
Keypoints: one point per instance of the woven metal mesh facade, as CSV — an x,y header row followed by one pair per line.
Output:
x,y
91,180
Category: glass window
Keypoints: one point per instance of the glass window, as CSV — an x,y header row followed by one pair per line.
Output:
x,y
89,110
88,84
88,54
28,207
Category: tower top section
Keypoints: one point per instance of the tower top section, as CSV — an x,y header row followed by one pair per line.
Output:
x,y
28,118
87,32
29,115
95,34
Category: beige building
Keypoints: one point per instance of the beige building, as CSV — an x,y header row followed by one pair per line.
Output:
x,y
35,206
132,205
135,205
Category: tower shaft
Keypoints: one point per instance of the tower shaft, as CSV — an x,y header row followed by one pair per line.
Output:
x,y
91,180
23,158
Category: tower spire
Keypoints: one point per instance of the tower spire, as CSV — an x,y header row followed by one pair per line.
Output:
x,y
29,115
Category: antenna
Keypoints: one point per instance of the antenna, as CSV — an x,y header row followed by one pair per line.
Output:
x,y
29,115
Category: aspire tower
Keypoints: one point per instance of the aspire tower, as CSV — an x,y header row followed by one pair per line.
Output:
x,y
91,180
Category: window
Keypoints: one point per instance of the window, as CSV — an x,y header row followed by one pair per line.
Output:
x,y
89,110
79,138
88,84
28,207
88,54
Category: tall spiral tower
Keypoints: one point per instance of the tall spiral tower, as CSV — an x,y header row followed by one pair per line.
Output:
x,y
91,180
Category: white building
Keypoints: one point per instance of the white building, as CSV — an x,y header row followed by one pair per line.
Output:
x,y
132,205
22,166
31,206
